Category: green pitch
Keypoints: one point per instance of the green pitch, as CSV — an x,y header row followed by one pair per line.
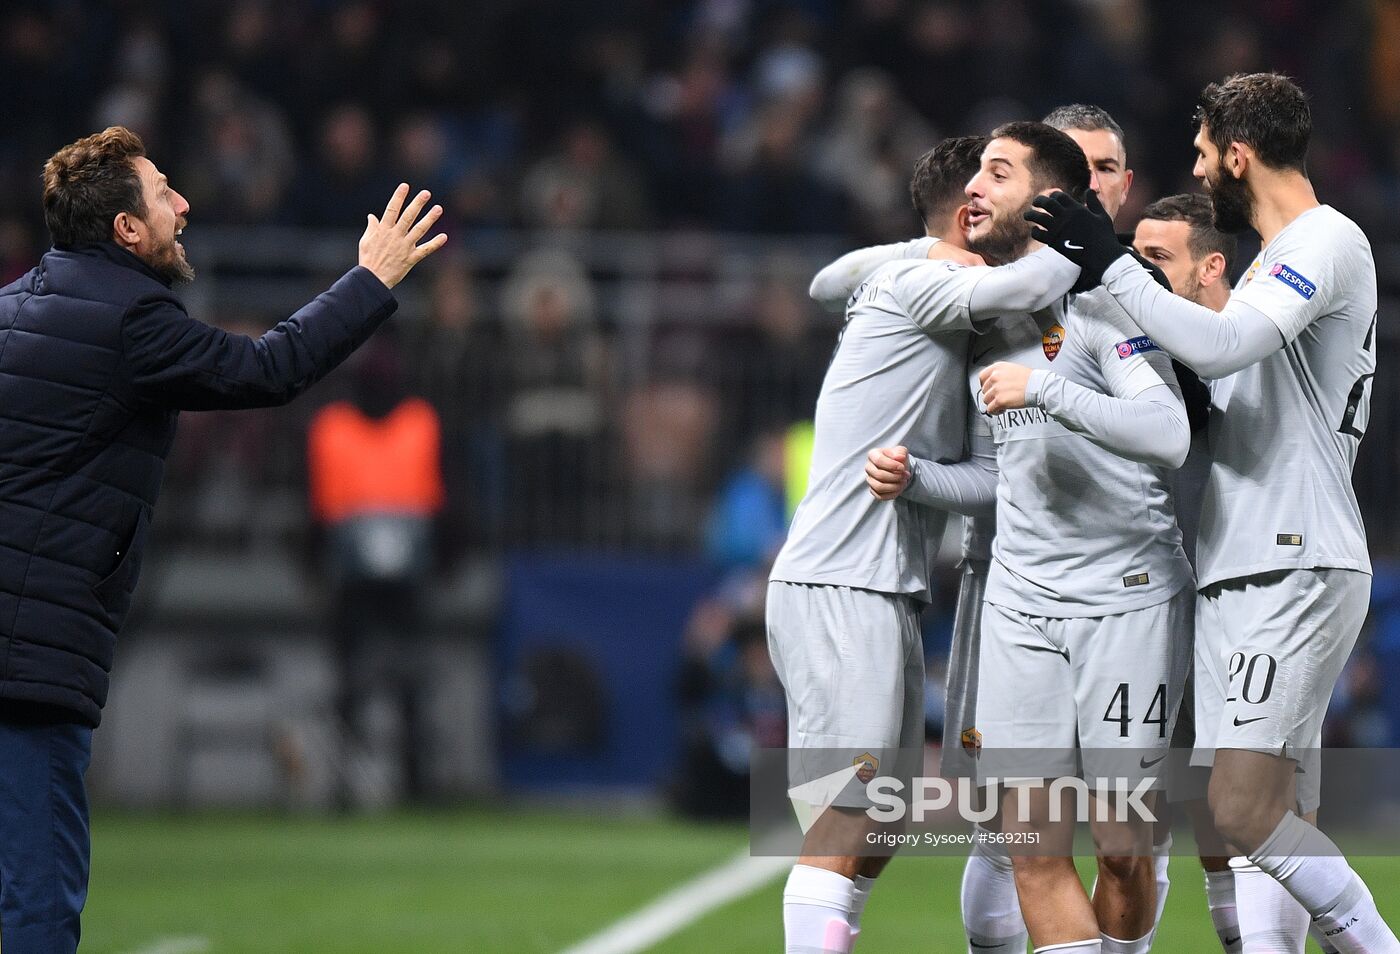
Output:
x,y
490,881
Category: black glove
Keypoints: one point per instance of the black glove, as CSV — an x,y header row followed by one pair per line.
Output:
x,y
1195,394
1158,276
1081,232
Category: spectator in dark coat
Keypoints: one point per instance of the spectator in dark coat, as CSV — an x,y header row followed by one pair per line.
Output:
x,y
97,359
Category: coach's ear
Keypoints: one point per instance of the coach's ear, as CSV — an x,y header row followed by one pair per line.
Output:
x,y
124,230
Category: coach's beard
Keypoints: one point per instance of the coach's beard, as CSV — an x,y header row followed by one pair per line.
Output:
x,y
169,262
1230,201
1006,241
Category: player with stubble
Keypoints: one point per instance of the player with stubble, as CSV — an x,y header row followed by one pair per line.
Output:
x,y
1284,569
1177,234
990,907
1080,404
847,588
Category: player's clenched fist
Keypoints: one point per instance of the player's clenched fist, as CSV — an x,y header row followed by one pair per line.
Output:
x,y
389,247
1004,386
887,471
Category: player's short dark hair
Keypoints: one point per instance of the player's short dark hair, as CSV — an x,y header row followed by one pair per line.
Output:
x,y
1056,160
941,174
1265,111
86,183
1083,116
1203,237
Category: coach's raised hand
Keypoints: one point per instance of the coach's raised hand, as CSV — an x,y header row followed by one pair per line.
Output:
x,y
389,248
1080,231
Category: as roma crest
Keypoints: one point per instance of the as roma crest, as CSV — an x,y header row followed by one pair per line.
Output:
x,y
972,739
1052,339
869,764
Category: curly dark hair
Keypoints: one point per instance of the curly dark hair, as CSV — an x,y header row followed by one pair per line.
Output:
x,y
941,174
1265,111
1056,160
1199,215
86,183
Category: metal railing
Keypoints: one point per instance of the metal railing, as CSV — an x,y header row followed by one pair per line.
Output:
x,y
704,353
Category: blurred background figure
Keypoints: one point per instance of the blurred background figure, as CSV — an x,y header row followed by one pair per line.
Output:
x,y
247,154
375,473
870,145
584,185
730,697
748,518
345,171
557,392
454,359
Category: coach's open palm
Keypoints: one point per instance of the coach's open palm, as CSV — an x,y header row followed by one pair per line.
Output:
x,y
389,247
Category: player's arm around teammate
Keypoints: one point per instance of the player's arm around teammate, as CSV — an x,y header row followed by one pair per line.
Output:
x,y
1143,418
836,281
1283,561
967,487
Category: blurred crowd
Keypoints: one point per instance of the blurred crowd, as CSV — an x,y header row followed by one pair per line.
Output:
x,y
559,420
557,119
775,116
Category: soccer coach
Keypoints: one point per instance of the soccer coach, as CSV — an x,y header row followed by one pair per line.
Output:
x,y
97,359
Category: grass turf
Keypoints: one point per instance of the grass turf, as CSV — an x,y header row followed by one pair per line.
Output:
x,y
490,881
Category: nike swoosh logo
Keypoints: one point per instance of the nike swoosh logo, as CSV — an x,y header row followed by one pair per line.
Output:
x,y
1232,940
1239,721
1077,248
983,946
1143,763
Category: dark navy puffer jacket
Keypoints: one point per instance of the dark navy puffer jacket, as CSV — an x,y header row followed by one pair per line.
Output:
x,y
97,358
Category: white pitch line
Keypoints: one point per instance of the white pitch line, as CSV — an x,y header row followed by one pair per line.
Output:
x,y
684,905
175,945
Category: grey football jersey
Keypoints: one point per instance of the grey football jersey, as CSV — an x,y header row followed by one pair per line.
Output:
x,y
1081,531
977,536
1188,482
978,532
1279,493
898,377
1188,485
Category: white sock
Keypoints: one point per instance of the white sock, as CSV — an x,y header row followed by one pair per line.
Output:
x,y
991,910
1311,867
1315,931
859,896
1113,945
1220,899
816,911
1161,862
1271,921
1073,947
